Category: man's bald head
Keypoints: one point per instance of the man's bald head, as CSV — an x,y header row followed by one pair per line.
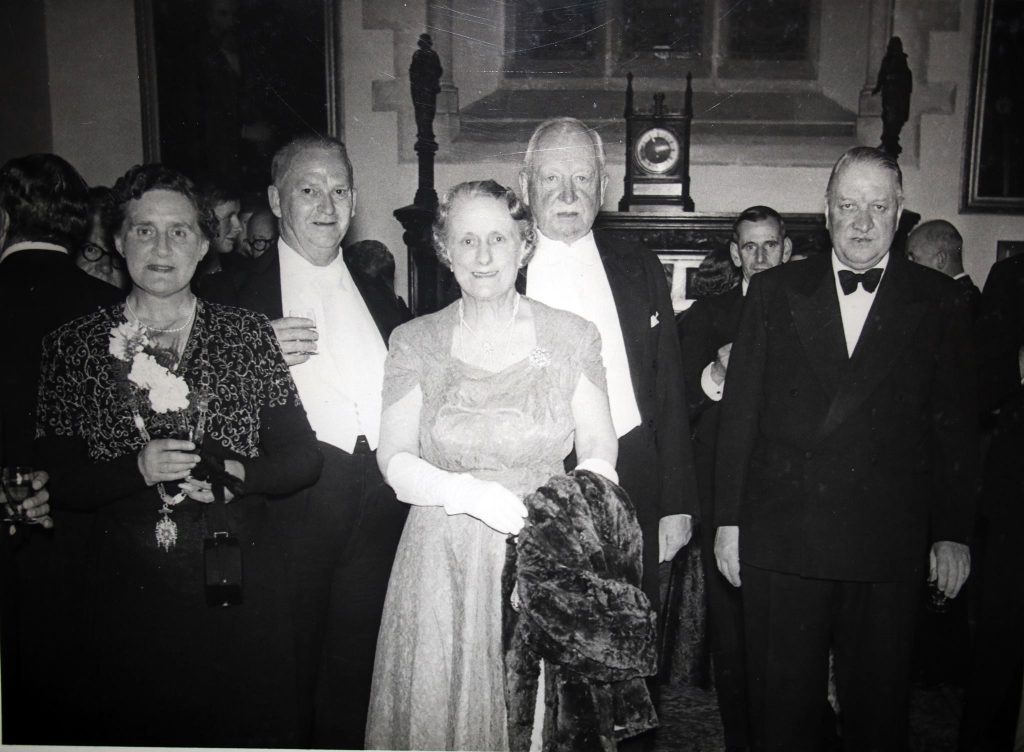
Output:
x,y
937,245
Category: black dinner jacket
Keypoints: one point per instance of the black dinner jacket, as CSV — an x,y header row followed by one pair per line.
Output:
x,y
40,290
971,294
848,468
709,323
258,288
644,307
1000,334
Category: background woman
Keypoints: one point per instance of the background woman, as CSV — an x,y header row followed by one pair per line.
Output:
x,y
482,403
123,394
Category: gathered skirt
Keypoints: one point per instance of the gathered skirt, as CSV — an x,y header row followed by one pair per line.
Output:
x,y
438,680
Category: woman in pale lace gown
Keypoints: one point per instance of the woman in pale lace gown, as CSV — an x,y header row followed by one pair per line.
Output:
x,y
482,402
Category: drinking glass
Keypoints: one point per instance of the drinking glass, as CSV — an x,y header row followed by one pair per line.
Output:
x,y
937,602
17,482
303,313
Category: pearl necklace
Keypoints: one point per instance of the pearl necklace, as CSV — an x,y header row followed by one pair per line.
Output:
x,y
173,330
488,344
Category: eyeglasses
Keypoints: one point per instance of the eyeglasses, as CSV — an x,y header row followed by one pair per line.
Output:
x,y
259,244
93,252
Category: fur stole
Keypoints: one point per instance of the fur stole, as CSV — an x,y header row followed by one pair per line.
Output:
x,y
577,567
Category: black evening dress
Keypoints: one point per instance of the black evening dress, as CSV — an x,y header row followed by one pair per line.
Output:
x,y
166,669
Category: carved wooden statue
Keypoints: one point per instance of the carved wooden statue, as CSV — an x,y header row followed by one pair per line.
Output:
x,y
895,82
425,84
426,279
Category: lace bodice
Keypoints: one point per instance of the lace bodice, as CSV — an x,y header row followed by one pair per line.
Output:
x,y
513,425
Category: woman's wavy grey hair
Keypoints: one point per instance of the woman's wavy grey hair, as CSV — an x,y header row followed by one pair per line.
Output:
x,y
518,210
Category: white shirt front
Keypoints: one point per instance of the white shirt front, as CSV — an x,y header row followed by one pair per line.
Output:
x,y
571,277
855,307
341,384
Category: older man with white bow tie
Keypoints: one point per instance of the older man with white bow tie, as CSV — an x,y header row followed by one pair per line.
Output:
x,y
624,292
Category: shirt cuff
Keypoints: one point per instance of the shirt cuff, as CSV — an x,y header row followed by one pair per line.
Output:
x,y
711,389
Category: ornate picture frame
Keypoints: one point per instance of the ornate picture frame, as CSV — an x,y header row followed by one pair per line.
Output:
x,y
994,151
225,82
680,268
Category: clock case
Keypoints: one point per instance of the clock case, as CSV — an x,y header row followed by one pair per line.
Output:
x,y
644,189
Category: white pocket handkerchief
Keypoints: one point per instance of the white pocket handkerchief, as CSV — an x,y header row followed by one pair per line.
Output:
x,y
654,320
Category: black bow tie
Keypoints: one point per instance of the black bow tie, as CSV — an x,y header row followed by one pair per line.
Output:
x,y
849,280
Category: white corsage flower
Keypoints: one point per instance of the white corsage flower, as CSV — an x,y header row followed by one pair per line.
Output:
x,y
145,370
167,392
127,339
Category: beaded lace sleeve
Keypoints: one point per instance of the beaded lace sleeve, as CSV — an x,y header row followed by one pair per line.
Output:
x,y
588,357
403,369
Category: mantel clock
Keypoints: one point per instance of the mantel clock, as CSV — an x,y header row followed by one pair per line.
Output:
x,y
657,155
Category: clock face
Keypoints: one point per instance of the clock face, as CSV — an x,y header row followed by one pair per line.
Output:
x,y
657,151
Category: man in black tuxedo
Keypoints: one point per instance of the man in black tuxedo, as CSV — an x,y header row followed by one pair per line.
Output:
x,y
339,537
44,216
937,245
624,292
994,690
846,462
943,636
706,333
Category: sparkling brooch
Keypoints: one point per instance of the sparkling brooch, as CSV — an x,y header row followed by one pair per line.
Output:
x,y
539,357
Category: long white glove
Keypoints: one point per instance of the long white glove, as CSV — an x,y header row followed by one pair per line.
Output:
x,y
601,467
418,482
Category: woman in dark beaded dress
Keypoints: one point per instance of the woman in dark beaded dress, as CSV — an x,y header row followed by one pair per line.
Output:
x,y
134,401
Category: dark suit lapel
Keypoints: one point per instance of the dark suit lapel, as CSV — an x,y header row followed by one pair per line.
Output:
x,y
727,321
892,320
262,289
815,309
632,304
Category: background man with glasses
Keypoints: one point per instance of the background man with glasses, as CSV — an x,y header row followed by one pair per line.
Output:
x,y
94,253
260,234
96,256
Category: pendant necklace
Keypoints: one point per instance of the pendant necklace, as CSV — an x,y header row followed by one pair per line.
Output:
x,y
166,528
487,345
